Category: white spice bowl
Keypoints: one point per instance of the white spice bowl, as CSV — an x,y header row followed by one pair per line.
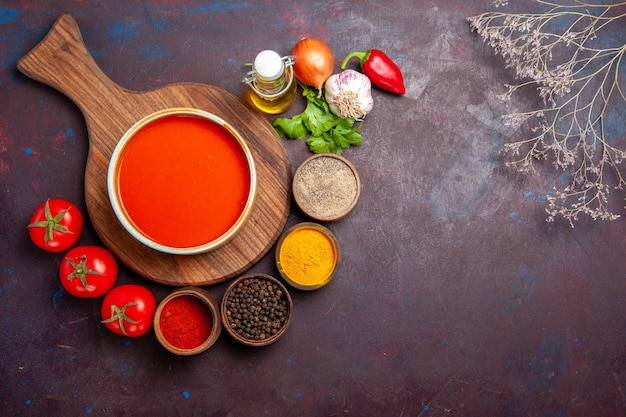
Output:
x,y
214,127
326,187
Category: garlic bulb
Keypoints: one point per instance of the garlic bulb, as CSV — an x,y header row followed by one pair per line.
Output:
x,y
349,94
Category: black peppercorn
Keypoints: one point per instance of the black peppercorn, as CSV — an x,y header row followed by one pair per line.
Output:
x,y
256,309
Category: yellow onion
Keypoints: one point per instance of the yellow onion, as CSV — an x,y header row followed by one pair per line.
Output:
x,y
313,62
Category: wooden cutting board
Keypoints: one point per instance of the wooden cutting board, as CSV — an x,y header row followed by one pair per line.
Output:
x,y
61,60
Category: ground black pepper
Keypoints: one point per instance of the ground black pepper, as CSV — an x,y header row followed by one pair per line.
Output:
x,y
256,309
326,187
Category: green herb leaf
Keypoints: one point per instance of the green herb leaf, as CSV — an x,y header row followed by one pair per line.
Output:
x,y
326,131
352,134
317,120
313,97
319,144
293,128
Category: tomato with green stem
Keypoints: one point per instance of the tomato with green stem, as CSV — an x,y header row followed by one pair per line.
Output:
x,y
128,310
56,225
88,271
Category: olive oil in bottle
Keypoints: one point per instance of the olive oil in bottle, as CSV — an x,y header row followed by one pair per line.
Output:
x,y
272,86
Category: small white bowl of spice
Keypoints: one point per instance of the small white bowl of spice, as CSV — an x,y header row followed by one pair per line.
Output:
x,y
326,187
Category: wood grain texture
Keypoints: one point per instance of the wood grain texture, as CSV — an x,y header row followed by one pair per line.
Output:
x,y
62,61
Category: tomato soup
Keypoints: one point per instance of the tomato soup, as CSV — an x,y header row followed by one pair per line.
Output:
x,y
183,180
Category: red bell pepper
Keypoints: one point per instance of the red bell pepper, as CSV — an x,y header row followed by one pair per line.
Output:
x,y
380,69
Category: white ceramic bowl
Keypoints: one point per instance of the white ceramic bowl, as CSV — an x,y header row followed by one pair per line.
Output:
x,y
161,244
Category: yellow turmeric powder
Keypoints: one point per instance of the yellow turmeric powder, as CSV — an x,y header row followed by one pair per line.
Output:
x,y
308,256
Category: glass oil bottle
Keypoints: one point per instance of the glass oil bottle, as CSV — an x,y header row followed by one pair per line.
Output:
x,y
272,86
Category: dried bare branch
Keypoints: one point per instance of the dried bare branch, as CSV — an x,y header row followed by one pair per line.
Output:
x,y
561,52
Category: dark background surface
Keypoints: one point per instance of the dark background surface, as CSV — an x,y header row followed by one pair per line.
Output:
x,y
454,296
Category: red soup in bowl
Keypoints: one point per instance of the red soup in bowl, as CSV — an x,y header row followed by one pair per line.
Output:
x,y
182,181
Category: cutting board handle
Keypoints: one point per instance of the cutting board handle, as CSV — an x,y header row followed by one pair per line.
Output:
x,y
61,60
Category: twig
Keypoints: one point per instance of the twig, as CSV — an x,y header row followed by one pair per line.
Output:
x,y
579,83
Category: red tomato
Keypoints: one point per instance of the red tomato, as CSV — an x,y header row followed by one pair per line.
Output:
x,y
129,310
56,225
88,271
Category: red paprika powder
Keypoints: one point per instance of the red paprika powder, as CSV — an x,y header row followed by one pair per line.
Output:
x,y
186,322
